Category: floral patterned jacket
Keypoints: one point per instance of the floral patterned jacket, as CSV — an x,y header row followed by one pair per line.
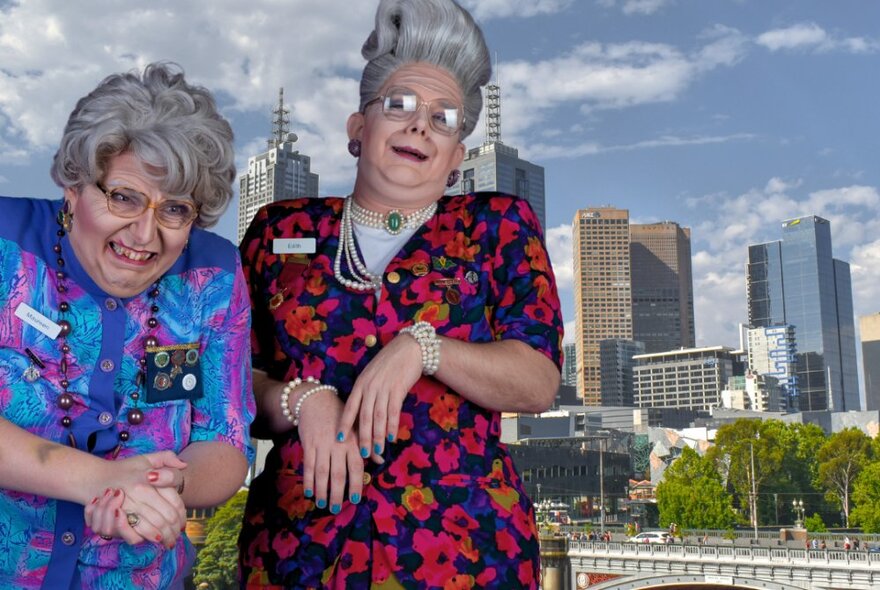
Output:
x,y
447,506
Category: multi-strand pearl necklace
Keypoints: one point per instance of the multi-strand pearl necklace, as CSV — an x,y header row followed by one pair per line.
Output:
x,y
361,278
394,221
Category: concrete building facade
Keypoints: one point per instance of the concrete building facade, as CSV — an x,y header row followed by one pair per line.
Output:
x,y
689,379
869,332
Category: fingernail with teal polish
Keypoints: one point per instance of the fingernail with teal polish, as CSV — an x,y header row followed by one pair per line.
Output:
x,y
364,452
335,508
321,503
355,498
340,437
390,438
309,493
377,449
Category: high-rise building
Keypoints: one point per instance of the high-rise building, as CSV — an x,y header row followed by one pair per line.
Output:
x,y
603,298
662,286
796,281
276,174
569,364
495,166
616,370
772,354
869,331
688,379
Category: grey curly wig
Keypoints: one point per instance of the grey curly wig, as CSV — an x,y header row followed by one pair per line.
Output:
x,y
439,32
173,127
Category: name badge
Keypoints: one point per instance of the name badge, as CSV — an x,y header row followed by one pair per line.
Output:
x,y
294,246
36,320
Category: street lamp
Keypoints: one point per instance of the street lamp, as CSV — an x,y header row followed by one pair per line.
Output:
x,y
798,507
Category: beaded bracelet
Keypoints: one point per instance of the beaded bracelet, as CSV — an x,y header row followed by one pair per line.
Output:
x,y
426,336
285,396
297,407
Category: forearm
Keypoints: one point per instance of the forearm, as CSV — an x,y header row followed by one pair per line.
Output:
x,y
34,465
214,472
506,376
269,420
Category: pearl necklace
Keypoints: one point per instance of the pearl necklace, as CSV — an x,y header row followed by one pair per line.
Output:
x,y
394,221
65,401
362,279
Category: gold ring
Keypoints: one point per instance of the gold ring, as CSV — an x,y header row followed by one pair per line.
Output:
x,y
133,519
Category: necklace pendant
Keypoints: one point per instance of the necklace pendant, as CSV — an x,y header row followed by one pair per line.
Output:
x,y
31,374
393,222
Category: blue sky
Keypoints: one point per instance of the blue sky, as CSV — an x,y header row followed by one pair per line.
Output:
x,y
726,116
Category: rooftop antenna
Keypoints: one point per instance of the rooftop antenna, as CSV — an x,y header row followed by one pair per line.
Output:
x,y
280,121
493,108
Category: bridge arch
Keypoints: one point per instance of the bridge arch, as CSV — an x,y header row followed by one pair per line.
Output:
x,y
690,582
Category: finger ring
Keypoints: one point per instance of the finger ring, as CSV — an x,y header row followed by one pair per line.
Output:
x,y
133,519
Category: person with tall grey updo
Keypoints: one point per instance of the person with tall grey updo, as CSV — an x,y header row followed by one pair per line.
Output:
x,y
390,330
125,381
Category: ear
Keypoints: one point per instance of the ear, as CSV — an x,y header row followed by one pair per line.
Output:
x,y
458,155
71,194
355,126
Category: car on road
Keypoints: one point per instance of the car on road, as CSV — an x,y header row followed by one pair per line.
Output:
x,y
661,537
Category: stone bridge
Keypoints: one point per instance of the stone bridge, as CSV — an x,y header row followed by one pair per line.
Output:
x,y
582,565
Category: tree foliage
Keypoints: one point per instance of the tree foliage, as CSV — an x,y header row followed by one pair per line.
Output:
x,y
815,524
841,459
693,496
217,563
866,497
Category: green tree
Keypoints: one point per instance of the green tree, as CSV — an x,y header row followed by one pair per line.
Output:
x,y
800,444
866,497
815,524
741,445
217,563
693,496
841,459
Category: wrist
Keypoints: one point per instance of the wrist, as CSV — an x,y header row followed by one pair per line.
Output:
x,y
429,345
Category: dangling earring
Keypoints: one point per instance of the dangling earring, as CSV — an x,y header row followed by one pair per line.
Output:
x,y
453,178
65,217
354,147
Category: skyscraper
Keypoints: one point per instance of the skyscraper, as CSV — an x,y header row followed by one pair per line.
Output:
x,y
797,282
662,286
569,364
616,365
276,174
495,166
603,298
772,353
869,331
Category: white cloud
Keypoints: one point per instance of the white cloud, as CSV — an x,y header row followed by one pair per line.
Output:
x,y
595,76
810,36
639,7
486,9
864,262
3,179
314,52
559,246
555,150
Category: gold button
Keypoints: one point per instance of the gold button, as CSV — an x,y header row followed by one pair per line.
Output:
x,y
370,341
393,278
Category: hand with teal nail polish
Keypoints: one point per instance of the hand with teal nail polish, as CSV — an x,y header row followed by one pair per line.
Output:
x,y
355,498
321,503
308,493
335,509
364,452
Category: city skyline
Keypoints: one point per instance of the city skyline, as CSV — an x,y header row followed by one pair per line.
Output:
x,y
726,118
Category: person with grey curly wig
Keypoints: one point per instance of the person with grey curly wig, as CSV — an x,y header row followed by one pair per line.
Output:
x,y
391,328
125,381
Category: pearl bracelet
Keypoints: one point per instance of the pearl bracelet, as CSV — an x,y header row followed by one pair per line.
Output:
x,y
285,397
426,336
297,407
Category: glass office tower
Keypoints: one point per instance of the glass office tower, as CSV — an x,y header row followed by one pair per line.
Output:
x,y
797,282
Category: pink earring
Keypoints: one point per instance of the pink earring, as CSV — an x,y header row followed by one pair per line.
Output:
x,y
453,178
354,147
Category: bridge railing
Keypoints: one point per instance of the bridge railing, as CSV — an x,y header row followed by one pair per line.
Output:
x,y
727,552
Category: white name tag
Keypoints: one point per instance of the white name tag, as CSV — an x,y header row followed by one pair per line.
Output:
x,y
294,246
36,320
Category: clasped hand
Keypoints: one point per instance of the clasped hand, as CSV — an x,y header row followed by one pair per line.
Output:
x,y
144,486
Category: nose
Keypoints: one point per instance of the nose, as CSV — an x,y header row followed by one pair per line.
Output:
x,y
420,119
144,227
